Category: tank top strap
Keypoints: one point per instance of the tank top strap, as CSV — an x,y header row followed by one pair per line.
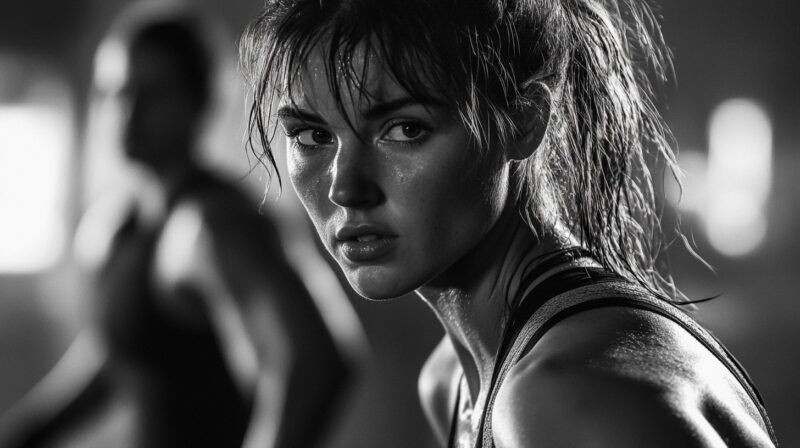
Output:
x,y
552,275
577,288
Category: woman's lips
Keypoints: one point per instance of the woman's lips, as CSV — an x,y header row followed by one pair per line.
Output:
x,y
364,244
367,249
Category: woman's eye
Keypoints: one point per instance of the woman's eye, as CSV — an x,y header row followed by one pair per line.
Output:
x,y
313,137
405,132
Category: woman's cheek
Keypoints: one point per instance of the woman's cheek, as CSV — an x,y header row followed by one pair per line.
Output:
x,y
308,177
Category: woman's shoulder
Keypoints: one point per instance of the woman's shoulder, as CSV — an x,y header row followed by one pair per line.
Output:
x,y
437,385
626,377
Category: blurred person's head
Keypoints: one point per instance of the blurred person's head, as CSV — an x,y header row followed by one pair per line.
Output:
x,y
159,70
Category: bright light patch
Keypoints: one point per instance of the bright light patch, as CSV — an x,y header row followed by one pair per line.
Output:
x,y
739,176
34,144
738,224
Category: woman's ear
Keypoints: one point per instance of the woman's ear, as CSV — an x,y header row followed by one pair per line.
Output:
x,y
532,122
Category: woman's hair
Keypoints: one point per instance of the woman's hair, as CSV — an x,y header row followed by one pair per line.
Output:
x,y
482,59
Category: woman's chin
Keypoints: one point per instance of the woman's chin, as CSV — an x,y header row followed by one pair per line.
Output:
x,y
374,285
375,292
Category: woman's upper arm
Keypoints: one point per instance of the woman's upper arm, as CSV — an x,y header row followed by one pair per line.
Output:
x,y
621,378
556,407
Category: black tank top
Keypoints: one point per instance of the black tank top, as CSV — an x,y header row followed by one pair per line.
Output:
x,y
573,283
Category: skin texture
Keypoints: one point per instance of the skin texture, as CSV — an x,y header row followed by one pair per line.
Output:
x,y
455,238
401,172
627,378
607,377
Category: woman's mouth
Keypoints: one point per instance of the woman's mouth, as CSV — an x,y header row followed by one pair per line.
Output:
x,y
362,245
366,238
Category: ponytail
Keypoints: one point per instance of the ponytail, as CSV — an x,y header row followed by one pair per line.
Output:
x,y
593,173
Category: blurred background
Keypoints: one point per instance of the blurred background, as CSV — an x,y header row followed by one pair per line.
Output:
x,y
733,106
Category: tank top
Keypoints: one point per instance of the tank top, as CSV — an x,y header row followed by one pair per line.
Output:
x,y
568,282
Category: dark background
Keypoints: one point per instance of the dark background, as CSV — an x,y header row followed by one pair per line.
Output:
x,y
723,49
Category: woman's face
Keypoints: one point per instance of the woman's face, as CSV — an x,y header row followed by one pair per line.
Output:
x,y
398,198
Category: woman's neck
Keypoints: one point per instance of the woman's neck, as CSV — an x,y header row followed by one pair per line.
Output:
x,y
472,298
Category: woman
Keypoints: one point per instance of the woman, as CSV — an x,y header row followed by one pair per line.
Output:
x,y
489,155
203,333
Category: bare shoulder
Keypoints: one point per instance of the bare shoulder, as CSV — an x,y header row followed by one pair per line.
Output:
x,y
437,385
182,264
184,245
100,227
231,216
622,377
204,233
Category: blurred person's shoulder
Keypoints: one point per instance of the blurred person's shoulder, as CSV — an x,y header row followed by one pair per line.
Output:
x,y
225,206
103,223
215,222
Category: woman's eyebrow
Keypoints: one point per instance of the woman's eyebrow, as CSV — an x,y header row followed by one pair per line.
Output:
x,y
374,111
379,109
290,111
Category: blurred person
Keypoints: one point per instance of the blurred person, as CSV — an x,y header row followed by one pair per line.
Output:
x,y
492,156
201,328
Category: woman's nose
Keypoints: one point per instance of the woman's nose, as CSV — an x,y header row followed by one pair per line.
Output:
x,y
355,178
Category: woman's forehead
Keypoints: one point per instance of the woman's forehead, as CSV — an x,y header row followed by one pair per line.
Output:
x,y
363,80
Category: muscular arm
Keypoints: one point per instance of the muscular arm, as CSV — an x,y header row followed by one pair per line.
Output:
x,y
622,378
273,335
